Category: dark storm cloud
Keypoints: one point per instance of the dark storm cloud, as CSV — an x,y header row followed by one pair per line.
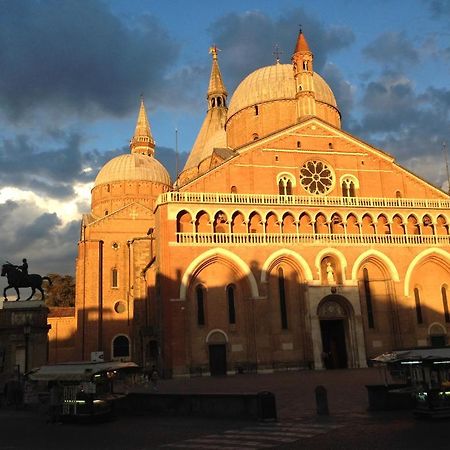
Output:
x,y
52,172
392,49
394,117
438,8
168,158
28,232
76,56
341,88
248,41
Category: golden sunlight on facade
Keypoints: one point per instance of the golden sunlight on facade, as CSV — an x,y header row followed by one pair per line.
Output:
x,y
284,243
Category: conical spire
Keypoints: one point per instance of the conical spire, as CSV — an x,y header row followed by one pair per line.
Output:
x,y
302,44
302,58
142,142
217,93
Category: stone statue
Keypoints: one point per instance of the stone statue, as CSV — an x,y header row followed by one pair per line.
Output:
x,y
330,273
18,277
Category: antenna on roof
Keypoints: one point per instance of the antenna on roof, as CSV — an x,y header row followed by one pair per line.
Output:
x,y
444,150
176,155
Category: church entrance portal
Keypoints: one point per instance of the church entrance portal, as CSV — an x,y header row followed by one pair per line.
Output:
x,y
217,359
333,344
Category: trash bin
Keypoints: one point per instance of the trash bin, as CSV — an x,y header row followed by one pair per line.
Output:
x,y
267,409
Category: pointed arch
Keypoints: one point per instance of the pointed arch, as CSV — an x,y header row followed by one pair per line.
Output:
x,y
377,254
275,257
418,259
224,254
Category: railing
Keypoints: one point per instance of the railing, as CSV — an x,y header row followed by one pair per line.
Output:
x,y
297,200
293,238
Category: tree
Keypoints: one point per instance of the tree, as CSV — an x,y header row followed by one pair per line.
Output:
x,y
62,290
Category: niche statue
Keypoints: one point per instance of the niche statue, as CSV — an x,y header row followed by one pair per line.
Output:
x,y
18,277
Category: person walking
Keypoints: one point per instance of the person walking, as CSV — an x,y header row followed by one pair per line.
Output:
x,y
154,376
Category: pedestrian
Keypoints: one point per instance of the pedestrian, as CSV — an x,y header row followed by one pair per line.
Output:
x,y
154,378
55,402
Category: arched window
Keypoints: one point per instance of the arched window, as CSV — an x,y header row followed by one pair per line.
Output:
x,y
282,295
305,65
418,306
220,223
114,278
286,182
299,144
445,303
398,194
256,110
219,101
368,295
213,102
231,305
349,184
199,290
184,222
121,347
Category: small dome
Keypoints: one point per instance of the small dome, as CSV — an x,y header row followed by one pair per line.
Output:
x,y
274,82
131,167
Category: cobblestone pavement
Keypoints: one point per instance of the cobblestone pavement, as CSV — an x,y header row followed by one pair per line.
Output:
x,y
294,390
349,425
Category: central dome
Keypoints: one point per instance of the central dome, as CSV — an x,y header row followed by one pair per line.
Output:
x,y
275,82
133,167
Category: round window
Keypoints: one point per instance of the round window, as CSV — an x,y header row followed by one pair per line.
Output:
x,y
120,307
316,177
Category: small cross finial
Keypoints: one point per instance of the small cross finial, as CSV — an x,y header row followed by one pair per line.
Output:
x,y
213,50
300,28
277,53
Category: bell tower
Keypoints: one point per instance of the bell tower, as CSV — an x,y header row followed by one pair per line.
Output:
x,y
302,62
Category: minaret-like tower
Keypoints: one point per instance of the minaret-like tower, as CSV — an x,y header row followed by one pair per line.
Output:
x,y
217,93
212,133
142,142
302,61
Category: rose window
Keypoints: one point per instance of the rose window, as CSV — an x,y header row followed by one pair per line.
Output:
x,y
316,177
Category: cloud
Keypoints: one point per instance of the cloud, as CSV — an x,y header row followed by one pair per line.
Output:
x,y
167,157
67,57
438,8
408,124
248,41
342,89
30,232
52,172
392,49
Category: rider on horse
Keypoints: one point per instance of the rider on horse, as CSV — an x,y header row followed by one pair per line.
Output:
x,y
24,268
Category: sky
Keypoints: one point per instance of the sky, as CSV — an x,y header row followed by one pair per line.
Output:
x,y
72,73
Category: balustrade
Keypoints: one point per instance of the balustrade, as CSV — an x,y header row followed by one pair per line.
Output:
x,y
297,200
293,239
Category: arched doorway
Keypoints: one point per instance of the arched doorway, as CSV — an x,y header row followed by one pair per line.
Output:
x,y
334,329
217,350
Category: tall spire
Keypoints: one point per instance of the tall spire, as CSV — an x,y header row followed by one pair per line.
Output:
x,y
217,93
302,44
302,63
142,142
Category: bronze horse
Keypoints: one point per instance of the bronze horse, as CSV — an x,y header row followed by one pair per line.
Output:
x,y
18,280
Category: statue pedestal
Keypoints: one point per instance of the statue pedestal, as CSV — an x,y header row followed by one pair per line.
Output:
x,y
22,304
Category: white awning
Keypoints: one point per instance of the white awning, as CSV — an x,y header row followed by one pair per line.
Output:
x,y
76,371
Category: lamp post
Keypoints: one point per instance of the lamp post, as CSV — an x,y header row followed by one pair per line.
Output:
x,y
26,333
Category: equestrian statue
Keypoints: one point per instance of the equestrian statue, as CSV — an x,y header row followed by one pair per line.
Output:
x,y
18,277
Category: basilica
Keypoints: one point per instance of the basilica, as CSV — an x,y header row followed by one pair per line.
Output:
x,y
285,242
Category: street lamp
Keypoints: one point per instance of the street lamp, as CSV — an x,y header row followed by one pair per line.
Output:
x,y
26,333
